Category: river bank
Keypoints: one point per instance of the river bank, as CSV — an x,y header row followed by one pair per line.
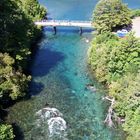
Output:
x,y
115,62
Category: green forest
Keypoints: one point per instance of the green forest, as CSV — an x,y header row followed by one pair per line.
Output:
x,y
115,62
17,36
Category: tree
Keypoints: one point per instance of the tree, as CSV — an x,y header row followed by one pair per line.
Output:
x,y
111,14
17,28
135,13
6,132
98,55
116,62
32,9
13,83
17,33
127,95
111,58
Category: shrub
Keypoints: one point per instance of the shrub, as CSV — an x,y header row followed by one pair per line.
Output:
x,y
111,58
6,132
126,92
135,13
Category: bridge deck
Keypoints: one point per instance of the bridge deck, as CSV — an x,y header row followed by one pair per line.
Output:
x,y
55,23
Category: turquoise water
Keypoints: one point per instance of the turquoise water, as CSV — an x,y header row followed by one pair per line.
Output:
x,y
60,76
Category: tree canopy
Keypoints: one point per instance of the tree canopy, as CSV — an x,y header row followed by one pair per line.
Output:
x,y
116,62
17,34
13,83
111,14
6,132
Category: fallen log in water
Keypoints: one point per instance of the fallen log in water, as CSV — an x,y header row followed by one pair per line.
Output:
x,y
110,113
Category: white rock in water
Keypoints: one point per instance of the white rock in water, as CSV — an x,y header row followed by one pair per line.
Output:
x,y
47,113
56,126
53,119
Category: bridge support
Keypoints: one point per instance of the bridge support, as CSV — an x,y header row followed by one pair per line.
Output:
x,y
81,31
54,28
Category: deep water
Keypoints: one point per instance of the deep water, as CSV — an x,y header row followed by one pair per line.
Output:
x,y
60,76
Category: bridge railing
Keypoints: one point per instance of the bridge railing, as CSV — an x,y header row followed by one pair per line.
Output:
x,y
64,21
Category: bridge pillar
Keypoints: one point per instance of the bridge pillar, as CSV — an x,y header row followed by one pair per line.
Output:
x,y
54,28
81,31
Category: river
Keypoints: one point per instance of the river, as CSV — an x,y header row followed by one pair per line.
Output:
x,y
60,75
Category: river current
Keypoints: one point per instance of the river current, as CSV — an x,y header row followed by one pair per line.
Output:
x,y
61,106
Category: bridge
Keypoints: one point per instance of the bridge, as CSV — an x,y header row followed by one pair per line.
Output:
x,y
65,23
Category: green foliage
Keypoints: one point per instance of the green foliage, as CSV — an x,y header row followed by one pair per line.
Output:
x,y
32,9
12,83
101,47
17,34
135,13
111,14
116,62
17,29
112,58
6,132
127,93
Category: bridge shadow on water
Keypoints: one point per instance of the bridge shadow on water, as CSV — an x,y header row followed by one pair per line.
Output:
x,y
68,29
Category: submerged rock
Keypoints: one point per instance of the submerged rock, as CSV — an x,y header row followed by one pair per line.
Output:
x,y
91,87
54,120
48,113
56,126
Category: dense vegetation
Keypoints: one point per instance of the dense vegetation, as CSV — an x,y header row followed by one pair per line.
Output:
x,y
135,13
119,56
116,63
111,14
6,132
17,33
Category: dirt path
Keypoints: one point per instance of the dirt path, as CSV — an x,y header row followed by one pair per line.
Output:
x,y
136,26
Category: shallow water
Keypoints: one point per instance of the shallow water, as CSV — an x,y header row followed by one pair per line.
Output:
x,y
60,76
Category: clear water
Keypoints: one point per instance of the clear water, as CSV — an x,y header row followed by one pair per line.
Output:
x,y
60,75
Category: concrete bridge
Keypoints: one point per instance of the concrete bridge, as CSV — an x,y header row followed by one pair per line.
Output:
x,y
65,23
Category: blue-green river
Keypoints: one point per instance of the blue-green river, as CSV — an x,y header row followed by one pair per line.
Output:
x,y
60,75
